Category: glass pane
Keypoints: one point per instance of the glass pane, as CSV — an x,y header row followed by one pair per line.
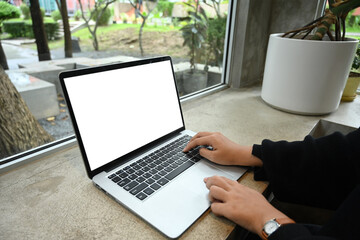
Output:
x,y
191,32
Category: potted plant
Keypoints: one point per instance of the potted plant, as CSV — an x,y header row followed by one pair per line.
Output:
x,y
353,81
306,73
194,34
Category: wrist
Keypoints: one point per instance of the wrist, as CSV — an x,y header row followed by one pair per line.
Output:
x,y
272,225
268,213
247,158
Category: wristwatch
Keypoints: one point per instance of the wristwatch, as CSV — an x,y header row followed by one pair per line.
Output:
x,y
273,224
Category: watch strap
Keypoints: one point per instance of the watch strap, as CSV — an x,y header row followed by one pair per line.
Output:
x,y
280,221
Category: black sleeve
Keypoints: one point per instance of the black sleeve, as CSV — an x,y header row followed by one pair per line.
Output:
x,y
317,172
343,224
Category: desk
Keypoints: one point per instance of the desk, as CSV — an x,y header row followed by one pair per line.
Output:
x,y
52,198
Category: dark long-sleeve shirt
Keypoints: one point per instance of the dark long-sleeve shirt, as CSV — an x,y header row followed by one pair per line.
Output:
x,y
323,172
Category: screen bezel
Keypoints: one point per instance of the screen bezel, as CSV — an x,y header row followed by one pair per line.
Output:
x,y
124,158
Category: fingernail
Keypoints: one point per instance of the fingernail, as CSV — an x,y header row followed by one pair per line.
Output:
x,y
205,180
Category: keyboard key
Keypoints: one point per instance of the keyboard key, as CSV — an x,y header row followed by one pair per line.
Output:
x,y
162,181
138,188
196,159
146,175
124,182
151,165
179,170
156,177
149,191
178,162
139,173
155,186
136,167
141,196
116,179
147,160
140,179
150,181
165,164
123,175
145,169
119,172
153,171
133,176
142,164
162,173
174,165
112,176
131,185
130,171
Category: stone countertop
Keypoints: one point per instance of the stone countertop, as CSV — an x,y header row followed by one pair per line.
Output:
x,y
53,198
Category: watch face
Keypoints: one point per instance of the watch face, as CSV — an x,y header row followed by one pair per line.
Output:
x,y
271,226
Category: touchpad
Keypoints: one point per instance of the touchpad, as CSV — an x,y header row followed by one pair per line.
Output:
x,y
193,178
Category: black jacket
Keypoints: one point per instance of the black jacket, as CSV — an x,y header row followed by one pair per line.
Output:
x,y
323,172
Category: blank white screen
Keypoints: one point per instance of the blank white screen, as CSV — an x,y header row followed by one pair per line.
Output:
x,y
120,110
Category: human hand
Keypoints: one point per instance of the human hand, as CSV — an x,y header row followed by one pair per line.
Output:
x,y
224,151
240,204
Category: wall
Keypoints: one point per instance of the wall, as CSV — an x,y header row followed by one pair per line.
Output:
x,y
254,22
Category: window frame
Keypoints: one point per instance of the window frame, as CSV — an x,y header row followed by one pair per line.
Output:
x,y
42,151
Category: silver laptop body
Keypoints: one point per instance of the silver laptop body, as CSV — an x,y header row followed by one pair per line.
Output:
x,y
124,115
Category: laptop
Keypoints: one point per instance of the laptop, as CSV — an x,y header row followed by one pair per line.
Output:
x,y
130,129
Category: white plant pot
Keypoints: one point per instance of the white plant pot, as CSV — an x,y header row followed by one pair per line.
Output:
x,y
306,76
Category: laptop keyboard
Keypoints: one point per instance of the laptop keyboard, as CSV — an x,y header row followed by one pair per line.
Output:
x,y
149,174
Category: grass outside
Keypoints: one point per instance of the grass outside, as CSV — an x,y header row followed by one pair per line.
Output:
x,y
84,33
158,40
46,19
353,29
164,40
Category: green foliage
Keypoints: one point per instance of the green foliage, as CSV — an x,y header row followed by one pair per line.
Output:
x,y
104,18
77,15
42,13
51,30
24,29
25,11
165,7
15,29
195,31
175,22
8,11
56,15
29,33
215,40
356,62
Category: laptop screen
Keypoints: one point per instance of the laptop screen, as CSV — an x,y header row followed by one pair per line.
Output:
x,y
118,111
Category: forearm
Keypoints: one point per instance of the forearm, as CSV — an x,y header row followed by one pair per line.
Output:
x,y
297,170
243,156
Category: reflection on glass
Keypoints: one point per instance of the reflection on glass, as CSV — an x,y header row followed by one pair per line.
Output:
x,y
192,32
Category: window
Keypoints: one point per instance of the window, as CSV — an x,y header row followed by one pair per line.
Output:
x,y
194,33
